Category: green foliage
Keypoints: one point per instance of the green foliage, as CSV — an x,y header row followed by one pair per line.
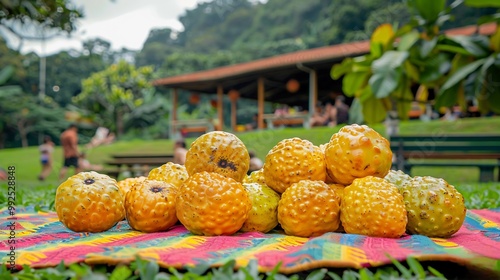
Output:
x,y
114,93
40,197
482,3
58,15
149,270
418,53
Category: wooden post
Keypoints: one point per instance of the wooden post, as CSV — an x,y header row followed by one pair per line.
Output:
x,y
173,112
175,98
260,102
233,114
220,102
313,92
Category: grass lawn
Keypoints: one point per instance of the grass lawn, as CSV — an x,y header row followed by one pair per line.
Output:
x,y
41,194
27,164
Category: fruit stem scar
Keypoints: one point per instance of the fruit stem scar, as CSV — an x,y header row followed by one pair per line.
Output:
x,y
156,189
89,181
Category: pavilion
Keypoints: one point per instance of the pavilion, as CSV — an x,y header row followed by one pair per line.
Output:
x,y
266,79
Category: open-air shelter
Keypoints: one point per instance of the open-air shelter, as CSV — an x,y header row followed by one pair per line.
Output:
x,y
266,79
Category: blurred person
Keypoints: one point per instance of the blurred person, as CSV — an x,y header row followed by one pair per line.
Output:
x,y
342,110
69,142
85,164
323,116
3,174
102,137
282,111
254,124
180,152
46,150
255,162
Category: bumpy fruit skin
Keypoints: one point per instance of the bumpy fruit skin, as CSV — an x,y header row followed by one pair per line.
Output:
x,y
309,208
398,178
89,202
291,161
169,172
220,152
126,184
357,151
328,179
256,177
210,204
263,216
374,207
435,208
339,190
150,206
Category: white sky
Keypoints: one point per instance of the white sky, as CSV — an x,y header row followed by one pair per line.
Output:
x,y
123,23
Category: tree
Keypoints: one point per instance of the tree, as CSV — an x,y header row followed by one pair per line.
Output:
x,y
27,114
110,95
50,15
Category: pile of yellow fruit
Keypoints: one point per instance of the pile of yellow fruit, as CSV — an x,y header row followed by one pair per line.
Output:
x,y
345,185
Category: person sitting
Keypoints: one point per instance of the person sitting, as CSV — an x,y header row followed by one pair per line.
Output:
x,y
102,137
342,110
338,113
84,164
324,117
254,124
255,162
283,111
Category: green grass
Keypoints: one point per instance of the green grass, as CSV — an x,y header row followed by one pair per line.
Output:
x,y
149,270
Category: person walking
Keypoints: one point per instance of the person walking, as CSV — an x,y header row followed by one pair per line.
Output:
x,y
46,150
69,143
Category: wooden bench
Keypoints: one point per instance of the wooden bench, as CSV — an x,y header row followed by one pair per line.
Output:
x,y
135,163
448,150
273,120
192,126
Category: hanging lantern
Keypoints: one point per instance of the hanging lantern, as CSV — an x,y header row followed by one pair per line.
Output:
x,y
234,95
292,85
213,103
194,99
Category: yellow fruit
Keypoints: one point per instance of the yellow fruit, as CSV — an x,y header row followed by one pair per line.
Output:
x,y
256,177
374,207
291,161
398,178
309,208
339,190
263,216
220,152
89,202
357,151
435,208
126,184
169,172
150,206
210,204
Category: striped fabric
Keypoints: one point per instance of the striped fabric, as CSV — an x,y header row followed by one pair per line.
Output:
x,y
42,241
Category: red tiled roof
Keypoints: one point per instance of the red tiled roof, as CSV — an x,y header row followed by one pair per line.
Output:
x,y
291,59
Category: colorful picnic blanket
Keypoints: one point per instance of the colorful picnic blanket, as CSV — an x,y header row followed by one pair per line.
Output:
x,y
42,241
